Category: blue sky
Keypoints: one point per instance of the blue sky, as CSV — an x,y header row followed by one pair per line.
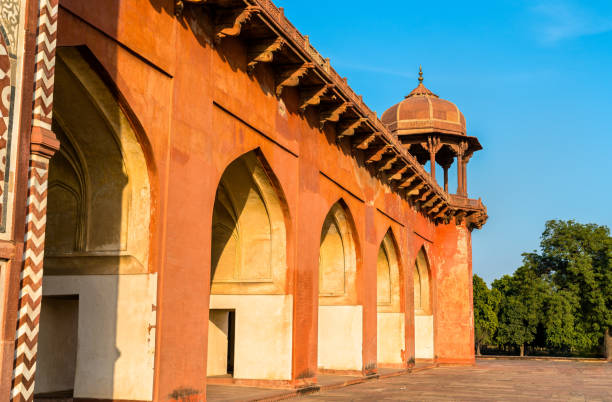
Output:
x,y
533,78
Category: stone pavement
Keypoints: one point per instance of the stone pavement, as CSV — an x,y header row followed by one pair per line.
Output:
x,y
489,380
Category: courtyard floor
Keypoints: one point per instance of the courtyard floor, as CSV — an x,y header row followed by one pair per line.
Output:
x,y
502,379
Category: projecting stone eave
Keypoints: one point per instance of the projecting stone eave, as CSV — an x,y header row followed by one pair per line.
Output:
x,y
413,136
267,34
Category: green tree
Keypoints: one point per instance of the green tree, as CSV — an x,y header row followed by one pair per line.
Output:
x,y
523,298
577,259
560,322
486,304
561,297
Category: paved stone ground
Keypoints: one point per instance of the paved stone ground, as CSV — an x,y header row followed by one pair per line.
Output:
x,y
490,380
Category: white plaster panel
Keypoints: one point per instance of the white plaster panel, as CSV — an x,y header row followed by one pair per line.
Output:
x,y
423,337
390,337
263,334
340,337
116,334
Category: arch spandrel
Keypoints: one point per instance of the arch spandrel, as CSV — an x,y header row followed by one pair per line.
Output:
x,y
249,234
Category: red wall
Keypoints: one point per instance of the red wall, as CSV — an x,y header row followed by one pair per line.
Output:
x,y
199,110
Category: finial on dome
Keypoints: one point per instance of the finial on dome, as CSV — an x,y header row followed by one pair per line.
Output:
x,y
420,90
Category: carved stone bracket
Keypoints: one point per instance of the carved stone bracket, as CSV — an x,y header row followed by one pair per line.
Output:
x,y
290,76
230,24
263,52
397,172
376,155
348,128
363,141
406,181
459,217
430,202
415,189
442,213
386,163
424,196
179,5
432,145
312,96
333,114
436,206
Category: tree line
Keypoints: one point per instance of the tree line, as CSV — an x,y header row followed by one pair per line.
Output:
x,y
559,300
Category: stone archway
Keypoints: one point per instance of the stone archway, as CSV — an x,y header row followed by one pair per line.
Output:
x,y
423,311
95,339
390,315
250,324
340,316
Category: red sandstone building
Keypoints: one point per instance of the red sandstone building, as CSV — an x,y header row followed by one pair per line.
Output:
x,y
190,194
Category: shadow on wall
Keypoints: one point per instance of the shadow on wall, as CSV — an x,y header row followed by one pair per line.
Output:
x,y
95,336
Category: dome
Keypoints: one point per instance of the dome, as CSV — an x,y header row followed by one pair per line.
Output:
x,y
423,112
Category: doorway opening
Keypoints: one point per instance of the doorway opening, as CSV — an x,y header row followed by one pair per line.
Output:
x,y
57,346
221,342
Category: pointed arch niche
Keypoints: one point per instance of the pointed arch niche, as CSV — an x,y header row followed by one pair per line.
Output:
x,y
95,337
250,321
423,312
390,318
340,317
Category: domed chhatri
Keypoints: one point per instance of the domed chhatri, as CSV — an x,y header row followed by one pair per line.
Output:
x,y
422,111
433,129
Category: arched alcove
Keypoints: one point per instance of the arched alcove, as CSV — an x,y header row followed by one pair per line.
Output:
x,y
423,312
390,317
95,339
340,317
250,325
102,164
337,259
